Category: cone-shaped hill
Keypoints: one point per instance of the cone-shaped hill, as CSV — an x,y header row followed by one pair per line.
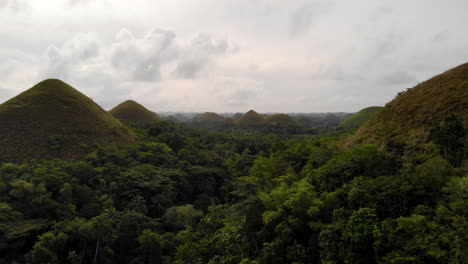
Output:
x,y
250,119
209,117
358,119
281,120
408,119
52,119
132,111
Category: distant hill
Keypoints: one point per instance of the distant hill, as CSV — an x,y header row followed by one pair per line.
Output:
x,y
209,117
250,119
132,111
281,120
52,119
171,118
358,119
407,119
211,120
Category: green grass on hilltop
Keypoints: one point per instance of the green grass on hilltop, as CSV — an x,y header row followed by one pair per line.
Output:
x,y
52,119
281,120
249,119
132,111
407,119
358,119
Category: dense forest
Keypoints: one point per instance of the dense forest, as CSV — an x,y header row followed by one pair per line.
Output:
x,y
173,193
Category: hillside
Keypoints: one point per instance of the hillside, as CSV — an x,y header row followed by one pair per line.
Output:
x,y
251,118
281,120
132,111
358,119
211,120
208,117
52,119
407,119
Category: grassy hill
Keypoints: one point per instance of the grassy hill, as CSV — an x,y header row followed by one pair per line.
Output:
x,y
250,119
407,119
209,117
358,119
211,120
132,111
52,119
281,120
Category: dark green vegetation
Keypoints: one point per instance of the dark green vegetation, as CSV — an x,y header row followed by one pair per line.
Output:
x,y
186,195
358,119
132,111
52,119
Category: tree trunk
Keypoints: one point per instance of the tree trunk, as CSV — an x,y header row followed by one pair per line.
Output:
x,y
95,254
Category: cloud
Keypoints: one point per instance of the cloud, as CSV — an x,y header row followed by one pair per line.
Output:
x,y
143,58
334,72
237,92
73,57
57,64
79,2
304,16
221,93
398,78
367,49
441,36
15,5
127,57
5,94
202,51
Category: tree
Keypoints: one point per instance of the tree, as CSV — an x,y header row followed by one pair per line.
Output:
x,y
358,236
151,244
450,136
182,216
101,230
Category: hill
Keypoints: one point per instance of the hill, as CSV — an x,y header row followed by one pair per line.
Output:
x,y
358,119
405,122
208,117
132,111
281,120
52,119
211,120
250,119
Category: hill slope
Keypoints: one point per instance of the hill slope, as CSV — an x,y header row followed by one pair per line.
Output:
x,y
407,119
250,119
52,119
132,111
281,120
358,119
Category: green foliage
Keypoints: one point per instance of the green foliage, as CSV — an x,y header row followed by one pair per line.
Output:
x,y
450,136
179,217
364,160
151,244
431,176
182,195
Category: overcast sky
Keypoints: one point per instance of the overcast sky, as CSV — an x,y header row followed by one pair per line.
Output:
x,y
231,55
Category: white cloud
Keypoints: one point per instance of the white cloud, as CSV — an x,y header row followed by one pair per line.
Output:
x,y
143,58
299,55
203,49
14,5
305,15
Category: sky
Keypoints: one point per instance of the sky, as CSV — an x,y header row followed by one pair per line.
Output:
x,y
231,55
